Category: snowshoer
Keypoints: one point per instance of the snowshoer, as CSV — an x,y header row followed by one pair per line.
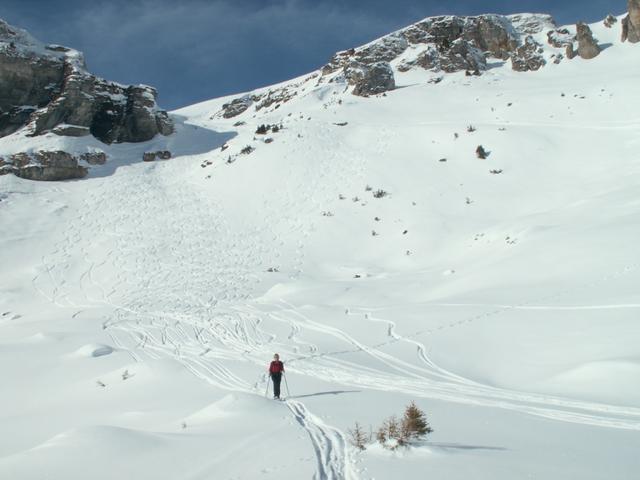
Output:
x,y
276,369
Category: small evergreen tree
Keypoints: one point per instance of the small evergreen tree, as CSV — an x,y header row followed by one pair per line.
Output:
x,y
414,423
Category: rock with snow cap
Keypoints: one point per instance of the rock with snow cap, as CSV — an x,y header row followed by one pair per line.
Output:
x,y
47,87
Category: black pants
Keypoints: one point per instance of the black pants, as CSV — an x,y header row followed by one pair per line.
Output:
x,y
277,378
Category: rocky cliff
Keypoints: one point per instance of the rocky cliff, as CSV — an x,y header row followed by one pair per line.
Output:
x,y
47,88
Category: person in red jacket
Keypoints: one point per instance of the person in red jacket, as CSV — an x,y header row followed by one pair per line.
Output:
x,y
276,369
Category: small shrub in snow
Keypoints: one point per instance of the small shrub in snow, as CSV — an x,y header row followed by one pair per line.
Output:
x,y
380,193
247,150
368,188
374,233
413,427
481,153
262,130
471,128
389,434
126,375
358,437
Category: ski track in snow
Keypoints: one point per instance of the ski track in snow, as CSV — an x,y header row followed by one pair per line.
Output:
x,y
329,444
187,294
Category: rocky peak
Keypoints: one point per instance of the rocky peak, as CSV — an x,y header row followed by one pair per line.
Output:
x,y
47,88
450,44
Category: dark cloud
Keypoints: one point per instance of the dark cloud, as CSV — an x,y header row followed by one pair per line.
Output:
x,y
193,50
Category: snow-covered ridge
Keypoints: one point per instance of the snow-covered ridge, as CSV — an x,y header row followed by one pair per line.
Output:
x,y
436,46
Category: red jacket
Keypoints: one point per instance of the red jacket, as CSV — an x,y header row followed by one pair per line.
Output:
x,y
276,367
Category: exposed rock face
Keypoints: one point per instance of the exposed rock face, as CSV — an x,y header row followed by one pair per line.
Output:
x,y
459,56
44,165
528,57
236,106
631,23
587,46
370,79
453,44
48,86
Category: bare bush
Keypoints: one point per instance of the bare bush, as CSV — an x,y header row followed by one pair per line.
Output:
x,y
358,437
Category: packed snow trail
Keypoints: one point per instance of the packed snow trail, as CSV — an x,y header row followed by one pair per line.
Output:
x,y
329,444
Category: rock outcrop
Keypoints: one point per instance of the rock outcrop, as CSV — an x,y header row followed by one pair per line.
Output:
x,y
631,23
47,88
158,155
450,44
236,106
587,46
370,79
47,165
528,57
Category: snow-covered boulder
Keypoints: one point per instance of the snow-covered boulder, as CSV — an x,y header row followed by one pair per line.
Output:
x,y
46,86
528,57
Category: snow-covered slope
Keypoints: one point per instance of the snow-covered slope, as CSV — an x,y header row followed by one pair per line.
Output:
x,y
140,306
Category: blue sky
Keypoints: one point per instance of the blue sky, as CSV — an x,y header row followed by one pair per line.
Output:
x,y
193,50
